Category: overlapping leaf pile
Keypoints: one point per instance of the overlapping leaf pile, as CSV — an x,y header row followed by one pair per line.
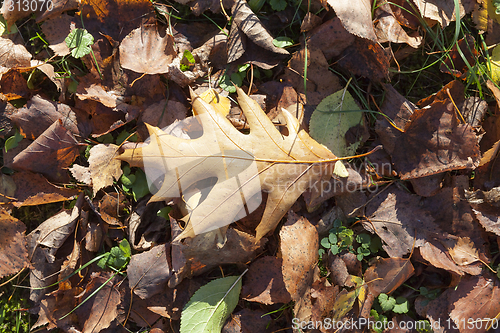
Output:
x,y
433,199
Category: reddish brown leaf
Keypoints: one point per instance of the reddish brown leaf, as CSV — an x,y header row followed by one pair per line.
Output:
x,y
387,274
14,85
13,251
39,114
331,38
53,151
33,189
435,141
454,64
298,262
366,58
264,282
437,255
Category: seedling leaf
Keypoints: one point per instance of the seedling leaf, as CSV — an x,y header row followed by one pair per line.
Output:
x,y
387,302
282,41
79,40
211,305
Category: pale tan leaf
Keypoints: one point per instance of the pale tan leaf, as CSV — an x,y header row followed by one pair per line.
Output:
x,y
104,168
242,164
356,17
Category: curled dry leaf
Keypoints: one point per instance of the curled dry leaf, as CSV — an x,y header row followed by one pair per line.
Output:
x,y
439,10
248,24
388,29
244,165
104,168
148,49
13,251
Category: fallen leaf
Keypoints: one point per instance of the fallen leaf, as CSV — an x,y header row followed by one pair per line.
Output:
x,y
56,30
148,272
248,321
53,151
7,188
249,24
234,155
13,251
457,62
104,168
388,29
81,174
13,53
387,274
101,309
39,114
439,10
399,221
298,262
264,282
14,85
33,189
356,16
437,255
331,38
435,141
148,49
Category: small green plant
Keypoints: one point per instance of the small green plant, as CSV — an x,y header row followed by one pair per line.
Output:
x,y
13,316
117,258
398,305
13,141
380,321
134,183
342,238
496,3
187,61
80,42
227,82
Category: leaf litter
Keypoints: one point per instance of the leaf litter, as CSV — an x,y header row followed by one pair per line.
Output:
x,y
227,183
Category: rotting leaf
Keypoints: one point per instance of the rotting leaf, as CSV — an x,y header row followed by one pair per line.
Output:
x,y
13,251
243,164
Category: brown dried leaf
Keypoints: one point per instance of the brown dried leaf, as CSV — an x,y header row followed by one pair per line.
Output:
x,y
331,38
249,24
148,49
39,114
33,189
387,274
53,151
248,321
100,310
388,29
437,255
148,272
56,30
356,16
13,251
264,282
399,221
13,53
435,141
439,10
298,261
104,168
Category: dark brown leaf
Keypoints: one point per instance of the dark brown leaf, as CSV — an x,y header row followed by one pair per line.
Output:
x,y
264,282
13,251
387,274
53,151
248,321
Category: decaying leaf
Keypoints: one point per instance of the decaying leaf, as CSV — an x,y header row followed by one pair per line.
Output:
x,y
244,165
13,252
440,10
